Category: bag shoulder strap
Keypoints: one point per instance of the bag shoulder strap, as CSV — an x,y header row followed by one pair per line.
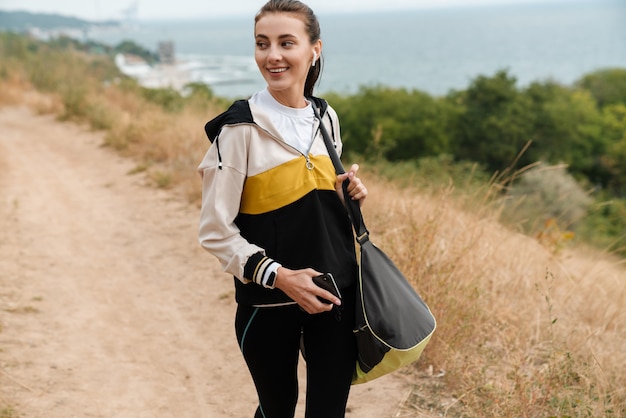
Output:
x,y
354,210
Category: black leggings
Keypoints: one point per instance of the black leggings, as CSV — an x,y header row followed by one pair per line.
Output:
x,y
269,339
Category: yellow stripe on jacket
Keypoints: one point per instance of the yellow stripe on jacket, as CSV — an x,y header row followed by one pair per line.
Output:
x,y
285,184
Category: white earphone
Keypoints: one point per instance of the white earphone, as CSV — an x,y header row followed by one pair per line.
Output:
x,y
314,58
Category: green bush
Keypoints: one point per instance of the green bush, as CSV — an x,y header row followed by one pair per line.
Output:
x,y
130,47
605,226
614,161
169,99
393,124
567,127
607,86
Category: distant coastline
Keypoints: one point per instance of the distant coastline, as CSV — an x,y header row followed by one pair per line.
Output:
x,y
21,21
434,51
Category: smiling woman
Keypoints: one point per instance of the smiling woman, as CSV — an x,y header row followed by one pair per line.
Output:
x,y
273,213
286,57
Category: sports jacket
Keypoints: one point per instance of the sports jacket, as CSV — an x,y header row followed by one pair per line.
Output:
x,y
265,201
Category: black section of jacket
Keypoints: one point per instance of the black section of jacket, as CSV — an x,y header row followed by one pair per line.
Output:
x,y
314,231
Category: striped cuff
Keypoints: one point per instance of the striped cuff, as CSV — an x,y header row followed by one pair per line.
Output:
x,y
261,270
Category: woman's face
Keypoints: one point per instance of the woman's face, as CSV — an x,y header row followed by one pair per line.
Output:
x,y
284,54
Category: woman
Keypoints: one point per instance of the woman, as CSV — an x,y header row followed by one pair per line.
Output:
x,y
273,214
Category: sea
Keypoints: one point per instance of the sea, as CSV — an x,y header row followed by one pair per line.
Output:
x,y
436,51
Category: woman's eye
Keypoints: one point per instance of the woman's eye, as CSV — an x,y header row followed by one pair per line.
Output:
x,y
261,45
288,44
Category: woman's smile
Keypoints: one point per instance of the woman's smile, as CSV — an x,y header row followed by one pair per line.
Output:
x,y
277,70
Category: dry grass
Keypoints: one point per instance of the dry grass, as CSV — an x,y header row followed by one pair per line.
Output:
x,y
164,144
17,90
522,331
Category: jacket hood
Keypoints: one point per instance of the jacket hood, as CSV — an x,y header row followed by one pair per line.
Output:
x,y
239,112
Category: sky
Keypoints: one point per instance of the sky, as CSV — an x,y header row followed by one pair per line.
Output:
x,y
181,9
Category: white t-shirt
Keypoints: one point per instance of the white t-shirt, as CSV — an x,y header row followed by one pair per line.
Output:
x,y
295,125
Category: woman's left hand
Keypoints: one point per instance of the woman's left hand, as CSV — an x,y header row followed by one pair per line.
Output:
x,y
356,189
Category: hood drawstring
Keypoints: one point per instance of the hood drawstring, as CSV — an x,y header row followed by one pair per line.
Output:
x,y
219,155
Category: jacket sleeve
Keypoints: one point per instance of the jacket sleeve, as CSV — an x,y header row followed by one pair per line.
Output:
x,y
222,186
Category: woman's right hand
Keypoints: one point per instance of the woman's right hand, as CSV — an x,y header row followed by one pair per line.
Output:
x,y
299,286
356,188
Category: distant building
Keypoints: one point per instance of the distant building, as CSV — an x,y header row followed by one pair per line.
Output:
x,y
166,52
153,77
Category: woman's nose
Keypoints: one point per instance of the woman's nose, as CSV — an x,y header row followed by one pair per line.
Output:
x,y
274,54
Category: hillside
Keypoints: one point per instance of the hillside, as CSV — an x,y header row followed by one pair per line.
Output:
x,y
105,289
109,306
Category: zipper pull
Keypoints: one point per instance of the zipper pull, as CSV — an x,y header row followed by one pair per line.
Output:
x,y
309,164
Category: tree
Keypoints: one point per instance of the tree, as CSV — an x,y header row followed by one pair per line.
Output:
x,y
607,86
496,122
568,128
130,47
615,158
395,124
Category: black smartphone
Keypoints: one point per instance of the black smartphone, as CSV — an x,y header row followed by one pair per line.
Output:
x,y
327,282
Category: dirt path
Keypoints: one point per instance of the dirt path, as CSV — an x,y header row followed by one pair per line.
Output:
x,y
108,307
